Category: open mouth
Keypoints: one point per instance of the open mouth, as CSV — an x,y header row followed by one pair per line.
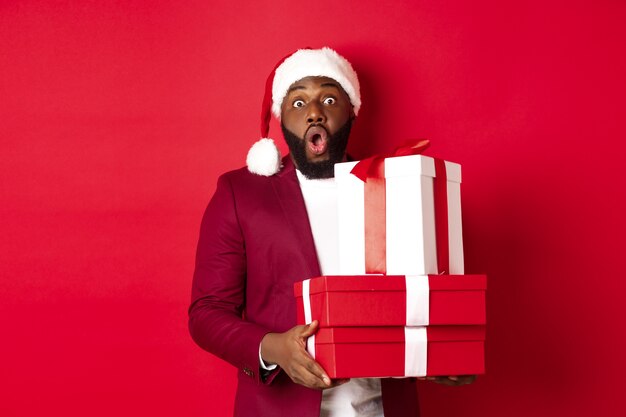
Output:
x,y
317,139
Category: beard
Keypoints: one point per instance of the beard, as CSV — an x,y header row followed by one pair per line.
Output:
x,y
337,144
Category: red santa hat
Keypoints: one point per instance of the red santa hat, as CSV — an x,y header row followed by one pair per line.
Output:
x,y
264,157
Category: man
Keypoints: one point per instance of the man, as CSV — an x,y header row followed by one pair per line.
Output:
x,y
270,226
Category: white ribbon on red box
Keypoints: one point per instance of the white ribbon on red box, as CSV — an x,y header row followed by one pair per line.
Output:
x,y
306,300
417,300
417,316
415,351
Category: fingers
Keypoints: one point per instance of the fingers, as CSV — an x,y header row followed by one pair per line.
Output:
x,y
456,381
299,365
315,369
467,379
462,379
309,329
452,380
305,371
337,382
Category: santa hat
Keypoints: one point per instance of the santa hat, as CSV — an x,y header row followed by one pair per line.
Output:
x,y
264,157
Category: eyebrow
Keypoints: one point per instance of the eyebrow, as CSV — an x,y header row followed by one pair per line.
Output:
x,y
330,85
296,87
301,87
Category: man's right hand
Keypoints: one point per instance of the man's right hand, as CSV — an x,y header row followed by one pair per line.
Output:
x,y
288,350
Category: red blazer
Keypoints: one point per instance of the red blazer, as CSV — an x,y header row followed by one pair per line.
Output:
x,y
255,243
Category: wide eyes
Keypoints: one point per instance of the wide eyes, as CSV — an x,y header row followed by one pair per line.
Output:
x,y
327,101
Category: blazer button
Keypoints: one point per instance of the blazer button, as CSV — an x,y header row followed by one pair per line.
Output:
x,y
248,372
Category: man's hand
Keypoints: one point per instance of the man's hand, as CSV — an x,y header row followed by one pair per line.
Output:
x,y
288,350
453,381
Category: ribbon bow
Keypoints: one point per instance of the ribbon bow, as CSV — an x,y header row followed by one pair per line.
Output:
x,y
373,167
372,172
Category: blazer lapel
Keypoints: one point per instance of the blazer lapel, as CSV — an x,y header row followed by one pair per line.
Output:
x,y
287,189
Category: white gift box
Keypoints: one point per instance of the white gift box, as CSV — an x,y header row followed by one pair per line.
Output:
x,y
411,247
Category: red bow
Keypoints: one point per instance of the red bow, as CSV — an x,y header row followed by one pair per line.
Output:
x,y
373,167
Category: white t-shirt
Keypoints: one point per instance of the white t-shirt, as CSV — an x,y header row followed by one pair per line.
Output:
x,y
361,397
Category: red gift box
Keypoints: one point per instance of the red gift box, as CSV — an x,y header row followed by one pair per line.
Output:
x,y
377,352
370,300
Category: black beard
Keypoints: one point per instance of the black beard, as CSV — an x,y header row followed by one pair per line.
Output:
x,y
337,144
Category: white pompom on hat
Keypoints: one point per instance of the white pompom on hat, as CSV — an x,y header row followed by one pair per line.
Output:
x,y
264,157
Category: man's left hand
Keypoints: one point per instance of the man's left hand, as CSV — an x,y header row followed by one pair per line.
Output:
x,y
453,381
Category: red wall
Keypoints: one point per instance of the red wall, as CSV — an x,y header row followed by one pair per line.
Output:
x,y
117,117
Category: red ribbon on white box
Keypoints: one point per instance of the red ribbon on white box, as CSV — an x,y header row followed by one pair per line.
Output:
x,y
372,172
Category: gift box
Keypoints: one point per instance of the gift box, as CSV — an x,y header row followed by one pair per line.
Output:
x,y
404,217
377,352
370,300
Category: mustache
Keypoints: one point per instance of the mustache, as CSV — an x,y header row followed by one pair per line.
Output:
x,y
337,144
312,125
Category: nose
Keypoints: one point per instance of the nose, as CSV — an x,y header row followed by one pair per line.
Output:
x,y
315,113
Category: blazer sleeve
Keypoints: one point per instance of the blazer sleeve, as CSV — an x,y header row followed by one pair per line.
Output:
x,y
216,313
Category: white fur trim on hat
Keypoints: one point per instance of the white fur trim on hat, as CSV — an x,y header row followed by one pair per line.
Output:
x,y
264,158
315,63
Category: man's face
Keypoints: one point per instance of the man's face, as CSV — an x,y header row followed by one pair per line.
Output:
x,y
316,116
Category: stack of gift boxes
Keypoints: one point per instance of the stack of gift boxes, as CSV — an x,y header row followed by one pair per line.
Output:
x,y
401,305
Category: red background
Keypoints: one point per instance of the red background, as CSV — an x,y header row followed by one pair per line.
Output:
x,y
117,117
